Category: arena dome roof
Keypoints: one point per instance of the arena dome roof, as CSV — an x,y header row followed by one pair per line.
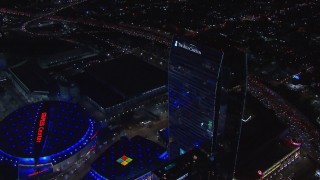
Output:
x,y
45,132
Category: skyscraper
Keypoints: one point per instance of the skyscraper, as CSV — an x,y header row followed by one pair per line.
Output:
x,y
207,89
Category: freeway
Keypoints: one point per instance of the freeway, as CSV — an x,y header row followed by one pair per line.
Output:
x,y
298,124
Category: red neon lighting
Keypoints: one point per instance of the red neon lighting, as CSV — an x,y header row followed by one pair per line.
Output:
x,y
95,134
260,172
295,143
93,147
41,126
37,172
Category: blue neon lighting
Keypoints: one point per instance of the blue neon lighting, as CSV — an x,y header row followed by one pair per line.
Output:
x,y
182,151
57,146
164,155
296,76
96,175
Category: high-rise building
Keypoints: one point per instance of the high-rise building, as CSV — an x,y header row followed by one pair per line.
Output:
x,y
207,89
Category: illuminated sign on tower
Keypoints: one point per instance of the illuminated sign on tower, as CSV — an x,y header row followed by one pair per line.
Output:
x,y
187,46
207,89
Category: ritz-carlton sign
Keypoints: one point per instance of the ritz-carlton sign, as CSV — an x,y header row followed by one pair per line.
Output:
x,y
41,127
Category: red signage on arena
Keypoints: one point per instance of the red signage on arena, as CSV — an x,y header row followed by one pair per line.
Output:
x,y
41,127
37,173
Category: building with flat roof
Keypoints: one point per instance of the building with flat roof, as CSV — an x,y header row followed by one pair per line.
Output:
x,y
268,160
32,82
133,158
207,89
119,83
65,57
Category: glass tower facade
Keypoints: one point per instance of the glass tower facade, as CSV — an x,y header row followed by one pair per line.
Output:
x,y
207,90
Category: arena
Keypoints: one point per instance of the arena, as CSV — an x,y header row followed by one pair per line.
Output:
x,y
45,138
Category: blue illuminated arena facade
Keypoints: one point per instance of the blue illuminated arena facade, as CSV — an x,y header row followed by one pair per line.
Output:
x,y
207,89
45,134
